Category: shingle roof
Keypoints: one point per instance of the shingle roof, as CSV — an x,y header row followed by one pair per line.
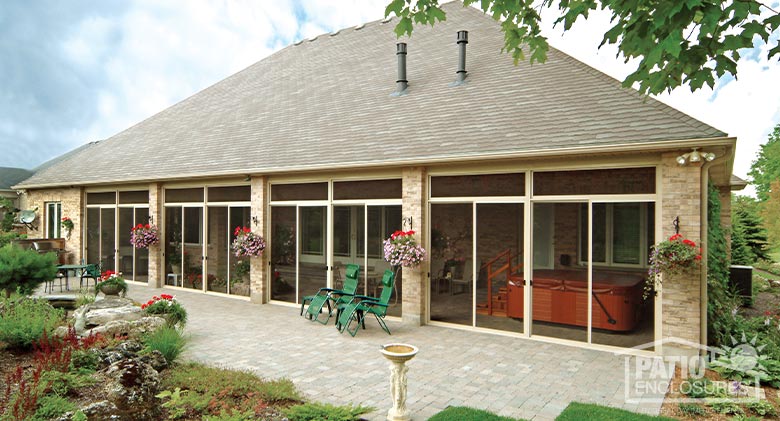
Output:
x,y
326,103
12,176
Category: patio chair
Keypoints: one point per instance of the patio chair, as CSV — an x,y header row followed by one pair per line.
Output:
x,y
360,305
90,272
326,296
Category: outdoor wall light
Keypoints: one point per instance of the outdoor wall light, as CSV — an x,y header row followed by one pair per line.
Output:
x,y
695,157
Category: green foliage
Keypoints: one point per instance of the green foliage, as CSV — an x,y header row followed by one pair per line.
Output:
x,y
168,340
464,413
762,408
175,404
167,305
698,388
61,384
110,278
7,237
231,416
84,359
677,43
692,410
214,391
751,237
25,270
23,321
727,408
770,208
319,411
84,299
52,407
79,416
766,168
581,411
9,213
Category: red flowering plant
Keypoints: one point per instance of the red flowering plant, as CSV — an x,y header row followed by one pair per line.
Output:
x,y
143,236
247,243
401,249
67,223
167,306
671,257
111,278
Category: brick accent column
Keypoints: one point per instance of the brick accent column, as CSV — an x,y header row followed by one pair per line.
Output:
x,y
681,304
156,258
415,283
259,265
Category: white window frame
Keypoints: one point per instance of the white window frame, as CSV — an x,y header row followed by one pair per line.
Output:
x,y
54,208
609,237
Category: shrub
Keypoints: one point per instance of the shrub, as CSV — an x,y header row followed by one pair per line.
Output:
x,y
166,305
24,321
319,411
727,408
61,384
692,410
53,406
25,270
168,340
7,237
84,359
762,408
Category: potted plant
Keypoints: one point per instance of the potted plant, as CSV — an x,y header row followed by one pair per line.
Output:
x,y
111,283
143,236
67,224
168,307
671,257
247,243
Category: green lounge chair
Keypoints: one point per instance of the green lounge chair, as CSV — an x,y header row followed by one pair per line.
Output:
x,y
338,297
360,305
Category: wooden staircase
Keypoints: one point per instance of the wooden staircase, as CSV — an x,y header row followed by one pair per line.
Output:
x,y
497,304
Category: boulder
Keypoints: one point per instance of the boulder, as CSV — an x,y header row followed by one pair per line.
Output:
x,y
131,329
131,388
97,316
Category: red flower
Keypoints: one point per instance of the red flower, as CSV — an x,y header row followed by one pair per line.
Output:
x,y
767,313
698,257
166,296
689,243
143,306
675,237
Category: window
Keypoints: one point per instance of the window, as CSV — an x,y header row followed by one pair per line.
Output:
x,y
313,233
621,233
53,217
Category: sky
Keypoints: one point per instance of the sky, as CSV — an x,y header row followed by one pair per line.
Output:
x,y
77,71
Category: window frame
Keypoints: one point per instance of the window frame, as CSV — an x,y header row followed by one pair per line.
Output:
x,y
54,231
609,238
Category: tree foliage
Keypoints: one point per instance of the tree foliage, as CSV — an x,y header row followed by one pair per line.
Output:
x,y
721,299
684,42
25,270
748,230
770,212
766,168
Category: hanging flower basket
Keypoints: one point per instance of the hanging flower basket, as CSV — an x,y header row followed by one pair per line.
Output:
x,y
671,257
402,250
143,236
67,224
247,243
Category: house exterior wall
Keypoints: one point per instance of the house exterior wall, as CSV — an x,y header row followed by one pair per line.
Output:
x,y
72,207
681,303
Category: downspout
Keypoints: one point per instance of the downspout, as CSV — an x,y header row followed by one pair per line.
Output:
x,y
705,176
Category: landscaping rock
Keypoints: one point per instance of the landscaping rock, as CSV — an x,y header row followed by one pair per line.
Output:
x,y
156,359
131,389
132,329
97,316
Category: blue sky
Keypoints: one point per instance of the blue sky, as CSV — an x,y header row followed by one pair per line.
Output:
x,y
80,71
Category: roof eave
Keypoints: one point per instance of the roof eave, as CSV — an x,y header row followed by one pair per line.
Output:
x,y
656,146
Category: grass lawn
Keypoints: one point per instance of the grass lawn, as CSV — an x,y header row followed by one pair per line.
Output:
x,y
574,412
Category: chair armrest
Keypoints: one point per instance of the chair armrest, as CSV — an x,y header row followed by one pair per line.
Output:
x,y
373,303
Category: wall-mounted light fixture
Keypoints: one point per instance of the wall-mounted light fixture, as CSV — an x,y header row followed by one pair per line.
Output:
x,y
151,219
255,221
407,222
695,157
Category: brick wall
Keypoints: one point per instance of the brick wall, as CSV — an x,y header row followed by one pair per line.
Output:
x,y
258,274
415,281
681,294
71,200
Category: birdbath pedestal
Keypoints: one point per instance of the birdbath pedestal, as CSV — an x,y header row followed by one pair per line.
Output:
x,y
398,354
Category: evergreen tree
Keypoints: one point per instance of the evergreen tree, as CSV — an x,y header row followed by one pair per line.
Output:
x,y
770,212
747,223
766,168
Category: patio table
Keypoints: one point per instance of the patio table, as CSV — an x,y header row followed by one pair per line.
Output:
x,y
66,269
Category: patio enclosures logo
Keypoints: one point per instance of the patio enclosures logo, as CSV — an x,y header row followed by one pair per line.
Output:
x,y
649,378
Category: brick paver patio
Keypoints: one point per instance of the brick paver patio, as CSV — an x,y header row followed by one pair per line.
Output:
x,y
509,376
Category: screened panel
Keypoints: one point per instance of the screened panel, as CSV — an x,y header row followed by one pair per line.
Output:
x,y
478,185
611,181
184,195
192,231
626,233
126,250
369,189
451,239
230,194
218,236
284,262
93,236
174,249
307,191
108,238
134,197
105,198
239,268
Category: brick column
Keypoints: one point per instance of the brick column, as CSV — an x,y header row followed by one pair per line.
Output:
x,y
681,304
258,274
414,280
156,259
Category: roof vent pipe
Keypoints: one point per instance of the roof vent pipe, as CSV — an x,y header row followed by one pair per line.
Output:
x,y
401,83
463,39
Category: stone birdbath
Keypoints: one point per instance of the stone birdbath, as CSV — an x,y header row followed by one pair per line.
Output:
x,y
398,354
